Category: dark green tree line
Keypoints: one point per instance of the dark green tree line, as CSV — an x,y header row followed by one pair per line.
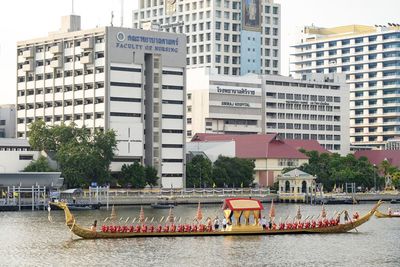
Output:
x,y
225,171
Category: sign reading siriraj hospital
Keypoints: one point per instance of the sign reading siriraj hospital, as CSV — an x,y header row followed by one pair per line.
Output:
x,y
235,90
251,15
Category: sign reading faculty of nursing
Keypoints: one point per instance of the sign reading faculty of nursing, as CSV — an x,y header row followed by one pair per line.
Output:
x,y
145,43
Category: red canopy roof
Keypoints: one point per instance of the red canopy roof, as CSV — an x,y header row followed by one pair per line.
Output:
x,y
242,204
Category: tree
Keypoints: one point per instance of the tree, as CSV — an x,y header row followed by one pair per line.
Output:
x,y
331,169
133,175
151,177
198,172
39,165
83,156
238,171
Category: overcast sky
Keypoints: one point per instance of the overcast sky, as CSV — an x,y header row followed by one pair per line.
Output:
x,y
27,19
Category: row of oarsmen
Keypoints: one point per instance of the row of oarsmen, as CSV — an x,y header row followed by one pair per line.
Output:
x,y
159,229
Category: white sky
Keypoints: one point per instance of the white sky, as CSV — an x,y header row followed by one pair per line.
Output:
x,y
27,19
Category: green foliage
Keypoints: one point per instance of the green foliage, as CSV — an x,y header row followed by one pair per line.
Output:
x,y
39,165
151,177
224,172
83,157
332,169
198,172
133,175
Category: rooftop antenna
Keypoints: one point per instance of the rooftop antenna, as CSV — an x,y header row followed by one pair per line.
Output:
x,y
112,17
122,13
72,7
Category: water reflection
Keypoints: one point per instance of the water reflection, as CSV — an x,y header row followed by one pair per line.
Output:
x,y
28,238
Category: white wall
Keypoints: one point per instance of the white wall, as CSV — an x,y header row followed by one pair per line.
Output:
x,y
10,162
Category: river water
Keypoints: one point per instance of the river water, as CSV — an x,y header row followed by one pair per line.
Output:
x,y
28,239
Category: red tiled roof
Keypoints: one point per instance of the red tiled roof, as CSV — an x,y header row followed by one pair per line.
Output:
x,y
308,145
255,145
377,156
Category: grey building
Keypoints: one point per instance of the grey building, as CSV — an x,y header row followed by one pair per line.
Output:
x,y
7,121
128,80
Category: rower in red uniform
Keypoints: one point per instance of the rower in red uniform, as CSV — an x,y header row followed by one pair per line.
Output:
x,y
151,228
159,228
166,228
144,228
173,228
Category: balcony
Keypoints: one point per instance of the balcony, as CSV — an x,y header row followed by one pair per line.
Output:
x,y
56,63
28,53
88,44
56,49
87,59
28,66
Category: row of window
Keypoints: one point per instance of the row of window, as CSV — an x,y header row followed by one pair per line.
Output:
x,y
303,136
322,107
66,117
60,103
299,126
299,97
358,40
297,116
60,89
66,44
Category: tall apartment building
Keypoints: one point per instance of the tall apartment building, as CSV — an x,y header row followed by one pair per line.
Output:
x,y
235,37
370,58
128,80
314,108
7,121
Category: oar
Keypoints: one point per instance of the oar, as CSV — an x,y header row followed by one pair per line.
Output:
x,y
120,219
133,221
145,220
127,219
162,218
105,219
152,219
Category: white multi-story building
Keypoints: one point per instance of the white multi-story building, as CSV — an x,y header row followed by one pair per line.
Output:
x,y
128,80
7,121
314,108
369,56
235,37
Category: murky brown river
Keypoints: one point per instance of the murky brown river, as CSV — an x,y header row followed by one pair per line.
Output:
x,y
28,239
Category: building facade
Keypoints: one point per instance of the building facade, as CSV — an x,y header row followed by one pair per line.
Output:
x,y
7,121
369,56
15,155
315,108
235,37
393,144
131,81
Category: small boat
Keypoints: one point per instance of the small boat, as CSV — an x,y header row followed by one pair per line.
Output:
x,y
381,215
161,205
395,201
234,210
78,206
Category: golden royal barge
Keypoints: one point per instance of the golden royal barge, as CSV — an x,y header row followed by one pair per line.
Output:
x,y
234,209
